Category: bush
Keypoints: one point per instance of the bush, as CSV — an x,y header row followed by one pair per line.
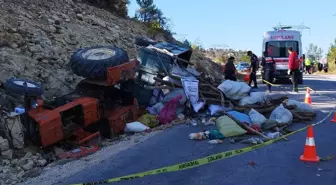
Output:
x,y
153,17
119,7
332,57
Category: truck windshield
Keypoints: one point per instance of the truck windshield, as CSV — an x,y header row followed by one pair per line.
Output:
x,y
280,48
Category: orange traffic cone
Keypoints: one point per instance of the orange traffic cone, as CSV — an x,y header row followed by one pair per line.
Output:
x,y
308,98
334,119
309,154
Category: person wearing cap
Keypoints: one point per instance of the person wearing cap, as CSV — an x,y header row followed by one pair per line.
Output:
x,y
230,70
253,69
268,66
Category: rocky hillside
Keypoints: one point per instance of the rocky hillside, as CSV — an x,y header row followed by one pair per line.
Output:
x,y
38,37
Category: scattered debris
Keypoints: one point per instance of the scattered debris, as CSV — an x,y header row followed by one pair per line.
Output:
x,y
198,136
177,93
216,141
328,158
252,164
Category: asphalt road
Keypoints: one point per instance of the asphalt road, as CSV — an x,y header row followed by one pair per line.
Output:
x,y
276,164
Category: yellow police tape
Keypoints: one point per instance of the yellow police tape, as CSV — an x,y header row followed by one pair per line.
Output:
x,y
284,87
202,161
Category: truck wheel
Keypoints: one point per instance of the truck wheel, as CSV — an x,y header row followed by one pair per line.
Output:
x,y
92,62
142,41
23,87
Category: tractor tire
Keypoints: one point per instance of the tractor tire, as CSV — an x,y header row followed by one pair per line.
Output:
x,y
93,62
23,87
144,42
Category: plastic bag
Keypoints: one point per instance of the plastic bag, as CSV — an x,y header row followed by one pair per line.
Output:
x,y
197,106
148,120
168,113
155,109
302,107
258,97
135,127
234,90
156,97
215,108
227,127
255,97
173,94
281,115
256,117
243,118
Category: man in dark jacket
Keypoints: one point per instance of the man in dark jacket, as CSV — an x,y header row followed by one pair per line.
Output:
x,y
230,70
293,68
268,65
253,68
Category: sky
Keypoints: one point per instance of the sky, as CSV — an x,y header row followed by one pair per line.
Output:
x,y
240,24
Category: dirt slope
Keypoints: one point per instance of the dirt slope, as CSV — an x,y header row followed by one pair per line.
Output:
x,y
37,38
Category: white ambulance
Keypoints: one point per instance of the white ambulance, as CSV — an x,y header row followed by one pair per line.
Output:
x,y
276,43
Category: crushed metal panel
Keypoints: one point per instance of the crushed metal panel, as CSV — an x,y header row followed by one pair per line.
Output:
x,y
175,50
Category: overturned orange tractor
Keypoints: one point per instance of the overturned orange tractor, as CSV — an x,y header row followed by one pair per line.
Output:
x,y
106,99
98,106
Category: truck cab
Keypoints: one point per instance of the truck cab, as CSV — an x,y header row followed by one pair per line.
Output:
x,y
276,43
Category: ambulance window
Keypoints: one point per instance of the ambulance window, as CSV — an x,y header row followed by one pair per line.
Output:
x,y
273,49
292,44
280,48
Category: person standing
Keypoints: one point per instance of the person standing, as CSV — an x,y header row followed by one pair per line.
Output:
x,y
268,65
308,65
230,70
293,68
253,69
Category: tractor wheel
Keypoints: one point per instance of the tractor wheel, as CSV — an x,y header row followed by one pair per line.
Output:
x,y
93,62
23,87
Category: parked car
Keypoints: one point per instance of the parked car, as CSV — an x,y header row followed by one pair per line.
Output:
x,y
242,66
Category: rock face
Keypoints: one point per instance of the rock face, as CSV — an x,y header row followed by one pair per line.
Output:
x,y
38,37
4,145
14,170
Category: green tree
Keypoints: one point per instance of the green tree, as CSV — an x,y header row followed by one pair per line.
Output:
x,y
118,7
197,44
148,12
244,58
314,52
153,16
187,43
154,28
331,57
